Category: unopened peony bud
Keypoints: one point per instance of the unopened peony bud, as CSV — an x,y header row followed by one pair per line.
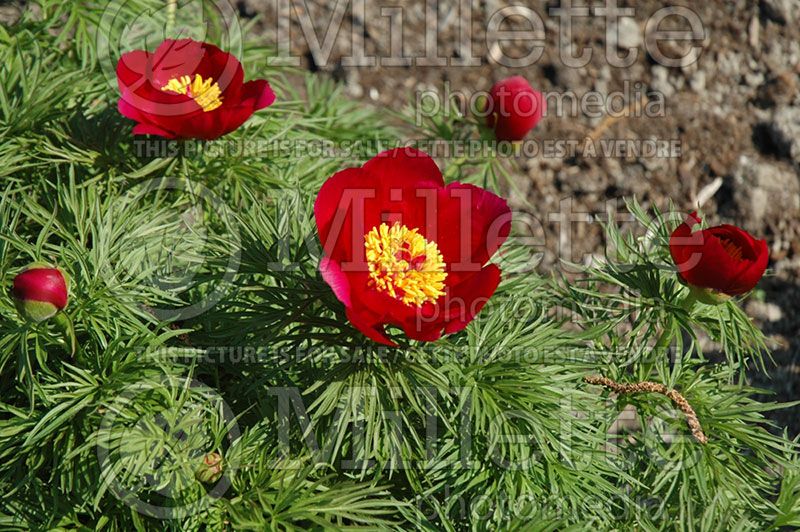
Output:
x,y
39,292
513,108
211,468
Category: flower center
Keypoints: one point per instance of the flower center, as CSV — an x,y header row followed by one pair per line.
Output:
x,y
205,93
405,265
733,250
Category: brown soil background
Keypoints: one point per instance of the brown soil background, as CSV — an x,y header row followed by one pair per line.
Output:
x,y
735,111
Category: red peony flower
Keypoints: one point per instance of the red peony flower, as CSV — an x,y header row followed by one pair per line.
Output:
x,y
40,292
718,262
187,89
403,249
513,108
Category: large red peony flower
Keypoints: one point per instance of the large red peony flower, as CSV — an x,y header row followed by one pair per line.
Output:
x,y
187,89
717,262
513,108
403,249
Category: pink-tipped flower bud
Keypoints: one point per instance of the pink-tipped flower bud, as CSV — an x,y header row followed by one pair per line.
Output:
x,y
40,292
211,468
513,108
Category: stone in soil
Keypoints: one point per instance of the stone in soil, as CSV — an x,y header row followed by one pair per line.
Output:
x,y
785,132
626,34
763,190
780,11
660,81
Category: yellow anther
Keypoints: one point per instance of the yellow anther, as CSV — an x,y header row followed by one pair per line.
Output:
x,y
205,92
404,265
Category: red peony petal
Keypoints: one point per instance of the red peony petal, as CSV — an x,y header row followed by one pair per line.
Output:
x,y
753,271
345,197
214,124
686,246
233,114
405,167
385,189
369,327
739,237
428,333
225,69
406,182
132,69
162,107
336,279
472,224
457,309
186,57
150,129
129,111
468,298
379,303
257,94
714,267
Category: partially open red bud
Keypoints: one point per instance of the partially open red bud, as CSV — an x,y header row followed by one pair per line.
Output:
x,y
513,108
211,468
40,292
719,262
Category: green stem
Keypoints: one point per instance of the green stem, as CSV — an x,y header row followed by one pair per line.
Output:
x,y
689,302
666,336
664,341
64,323
172,8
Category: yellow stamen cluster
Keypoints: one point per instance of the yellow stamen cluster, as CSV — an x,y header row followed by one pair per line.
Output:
x,y
205,92
405,265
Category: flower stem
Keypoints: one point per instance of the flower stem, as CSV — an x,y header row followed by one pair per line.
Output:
x,y
172,8
689,302
665,339
666,336
65,325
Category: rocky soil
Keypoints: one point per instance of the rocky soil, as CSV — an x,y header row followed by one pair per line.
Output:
x,y
735,113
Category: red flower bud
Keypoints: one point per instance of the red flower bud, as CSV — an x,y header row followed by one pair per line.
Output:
x,y
718,262
513,108
39,292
